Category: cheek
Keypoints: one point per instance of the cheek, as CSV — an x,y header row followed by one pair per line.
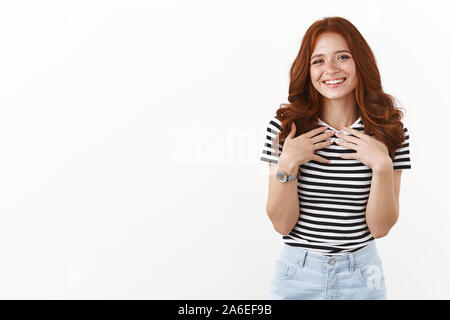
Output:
x,y
314,75
350,69
354,77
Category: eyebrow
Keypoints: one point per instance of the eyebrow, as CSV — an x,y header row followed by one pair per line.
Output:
x,y
320,55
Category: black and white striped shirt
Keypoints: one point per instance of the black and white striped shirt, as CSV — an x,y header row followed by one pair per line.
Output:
x,y
332,196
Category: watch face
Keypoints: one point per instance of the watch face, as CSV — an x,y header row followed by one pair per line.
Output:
x,y
282,176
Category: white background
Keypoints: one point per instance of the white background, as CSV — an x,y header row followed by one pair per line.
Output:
x,y
130,134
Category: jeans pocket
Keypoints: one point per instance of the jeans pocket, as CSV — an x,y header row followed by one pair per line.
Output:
x,y
284,270
371,274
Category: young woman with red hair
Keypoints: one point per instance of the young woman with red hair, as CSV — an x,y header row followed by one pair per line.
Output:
x,y
336,155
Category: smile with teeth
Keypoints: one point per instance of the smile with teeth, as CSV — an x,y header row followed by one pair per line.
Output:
x,y
334,82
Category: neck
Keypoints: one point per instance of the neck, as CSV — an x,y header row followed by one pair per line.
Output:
x,y
339,113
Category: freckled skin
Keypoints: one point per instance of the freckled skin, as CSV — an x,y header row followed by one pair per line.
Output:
x,y
332,66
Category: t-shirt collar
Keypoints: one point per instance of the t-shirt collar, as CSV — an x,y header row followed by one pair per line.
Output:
x,y
321,122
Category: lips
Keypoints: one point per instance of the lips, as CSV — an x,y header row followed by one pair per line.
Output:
x,y
334,79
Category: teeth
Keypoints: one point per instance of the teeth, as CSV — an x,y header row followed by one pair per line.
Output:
x,y
334,81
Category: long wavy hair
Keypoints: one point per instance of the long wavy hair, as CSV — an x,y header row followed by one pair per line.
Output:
x,y
377,109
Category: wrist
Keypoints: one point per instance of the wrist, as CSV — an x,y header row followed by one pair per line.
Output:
x,y
290,167
383,166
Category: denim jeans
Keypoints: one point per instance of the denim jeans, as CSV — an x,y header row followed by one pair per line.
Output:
x,y
301,275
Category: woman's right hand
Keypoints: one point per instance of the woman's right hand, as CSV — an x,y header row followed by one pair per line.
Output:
x,y
299,150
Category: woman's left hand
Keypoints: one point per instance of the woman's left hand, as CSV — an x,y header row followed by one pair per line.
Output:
x,y
370,151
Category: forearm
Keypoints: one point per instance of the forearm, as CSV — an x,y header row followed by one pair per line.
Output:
x,y
282,203
382,209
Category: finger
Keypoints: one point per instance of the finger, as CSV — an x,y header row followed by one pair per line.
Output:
x,y
323,136
348,138
315,131
321,159
347,145
292,132
355,132
322,145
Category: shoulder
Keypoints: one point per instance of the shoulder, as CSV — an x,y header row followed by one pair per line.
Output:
x,y
274,124
405,128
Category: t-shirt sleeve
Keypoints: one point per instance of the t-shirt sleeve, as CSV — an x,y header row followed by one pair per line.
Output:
x,y
272,149
402,160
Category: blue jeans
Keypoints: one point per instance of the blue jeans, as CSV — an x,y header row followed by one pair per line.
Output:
x,y
301,275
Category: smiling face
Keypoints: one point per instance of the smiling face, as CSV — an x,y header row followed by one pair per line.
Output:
x,y
331,59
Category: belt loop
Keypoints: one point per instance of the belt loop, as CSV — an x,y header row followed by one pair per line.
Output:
x,y
301,258
304,257
351,259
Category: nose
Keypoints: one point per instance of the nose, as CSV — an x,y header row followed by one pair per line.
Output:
x,y
332,68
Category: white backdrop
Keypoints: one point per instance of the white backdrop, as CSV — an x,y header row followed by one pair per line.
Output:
x,y
130,134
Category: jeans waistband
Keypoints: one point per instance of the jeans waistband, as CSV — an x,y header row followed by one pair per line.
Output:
x,y
348,260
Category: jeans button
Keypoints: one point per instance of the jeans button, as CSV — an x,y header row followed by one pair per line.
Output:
x,y
332,261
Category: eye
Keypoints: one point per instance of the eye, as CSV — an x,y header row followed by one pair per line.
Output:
x,y
343,56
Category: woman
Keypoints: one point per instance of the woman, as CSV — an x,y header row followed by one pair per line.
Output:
x,y
336,154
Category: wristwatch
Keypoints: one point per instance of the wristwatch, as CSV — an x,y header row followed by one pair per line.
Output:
x,y
283,177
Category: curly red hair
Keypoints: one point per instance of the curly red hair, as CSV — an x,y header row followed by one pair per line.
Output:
x,y
380,116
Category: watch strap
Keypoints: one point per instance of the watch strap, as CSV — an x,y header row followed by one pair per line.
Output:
x,y
289,178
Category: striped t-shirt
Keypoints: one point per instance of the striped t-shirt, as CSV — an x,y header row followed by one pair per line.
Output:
x,y
332,196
